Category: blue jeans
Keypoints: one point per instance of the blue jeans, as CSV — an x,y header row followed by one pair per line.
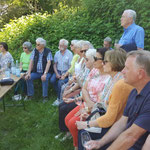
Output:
x,y
57,83
30,86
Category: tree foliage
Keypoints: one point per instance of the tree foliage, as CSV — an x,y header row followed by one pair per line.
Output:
x,y
93,21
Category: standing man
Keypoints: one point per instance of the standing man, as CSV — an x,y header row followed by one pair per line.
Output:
x,y
39,68
131,131
62,62
133,36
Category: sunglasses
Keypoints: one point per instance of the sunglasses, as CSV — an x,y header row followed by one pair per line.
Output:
x,y
25,48
105,61
83,51
96,59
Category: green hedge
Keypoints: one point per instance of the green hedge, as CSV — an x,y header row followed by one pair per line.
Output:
x,y
93,21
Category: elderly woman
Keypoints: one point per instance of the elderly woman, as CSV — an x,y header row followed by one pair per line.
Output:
x,y
39,68
5,57
24,64
81,71
113,64
95,84
69,104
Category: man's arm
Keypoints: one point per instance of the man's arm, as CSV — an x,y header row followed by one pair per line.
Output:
x,y
55,70
127,138
47,66
111,135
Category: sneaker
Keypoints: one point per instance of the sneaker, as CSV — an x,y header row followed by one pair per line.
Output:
x,y
56,102
67,136
58,135
17,97
28,98
45,99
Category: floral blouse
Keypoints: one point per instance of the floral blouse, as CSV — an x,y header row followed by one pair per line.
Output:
x,y
4,59
96,85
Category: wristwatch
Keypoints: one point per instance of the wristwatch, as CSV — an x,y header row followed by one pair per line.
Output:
x,y
45,72
88,125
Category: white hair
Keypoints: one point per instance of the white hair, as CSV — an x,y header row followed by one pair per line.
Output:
x,y
131,14
88,44
74,41
41,41
90,53
64,42
78,44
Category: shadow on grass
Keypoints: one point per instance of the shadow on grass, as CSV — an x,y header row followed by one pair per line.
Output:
x,y
32,129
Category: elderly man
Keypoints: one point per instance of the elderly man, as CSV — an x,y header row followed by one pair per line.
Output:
x,y
39,68
62,62
107,43
131,131
133,36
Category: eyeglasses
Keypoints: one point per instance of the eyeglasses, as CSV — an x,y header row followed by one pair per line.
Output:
x,y
83,51
96,59
105,61
25,48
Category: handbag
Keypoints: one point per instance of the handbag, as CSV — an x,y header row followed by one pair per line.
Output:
x,y
96,112
8,81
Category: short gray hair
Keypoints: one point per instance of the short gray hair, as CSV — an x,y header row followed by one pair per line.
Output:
x,y
142,59
74,41
64,41
78,44
90,53
131,14
41,41
28,45
88,44
108,39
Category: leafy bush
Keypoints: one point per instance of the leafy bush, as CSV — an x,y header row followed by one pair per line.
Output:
x,y
93,21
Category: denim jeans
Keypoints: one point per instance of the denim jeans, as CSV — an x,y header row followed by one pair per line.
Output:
x,y
30,86
57,84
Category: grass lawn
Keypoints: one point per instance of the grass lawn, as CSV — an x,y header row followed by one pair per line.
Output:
x,y
32,129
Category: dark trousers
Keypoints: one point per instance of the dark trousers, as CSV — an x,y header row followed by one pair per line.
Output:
x,y
94,136
64,109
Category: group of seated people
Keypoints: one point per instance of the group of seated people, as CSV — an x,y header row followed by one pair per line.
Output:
x,y
83,81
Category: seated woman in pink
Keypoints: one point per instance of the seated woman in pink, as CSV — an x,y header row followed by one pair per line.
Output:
x,y
95,84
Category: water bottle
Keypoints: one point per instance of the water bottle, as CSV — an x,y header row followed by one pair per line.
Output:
x,y
17,69
7,72
13,68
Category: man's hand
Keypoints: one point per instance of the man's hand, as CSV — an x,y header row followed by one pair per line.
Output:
x,y
43,77
28,76
58,76
93,144
117,45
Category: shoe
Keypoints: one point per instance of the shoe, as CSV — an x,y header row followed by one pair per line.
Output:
x,y
56,102
17,97
45,99
58,135
67,136
28,98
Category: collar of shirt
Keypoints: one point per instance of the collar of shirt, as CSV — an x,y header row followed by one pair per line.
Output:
x,y
129,27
